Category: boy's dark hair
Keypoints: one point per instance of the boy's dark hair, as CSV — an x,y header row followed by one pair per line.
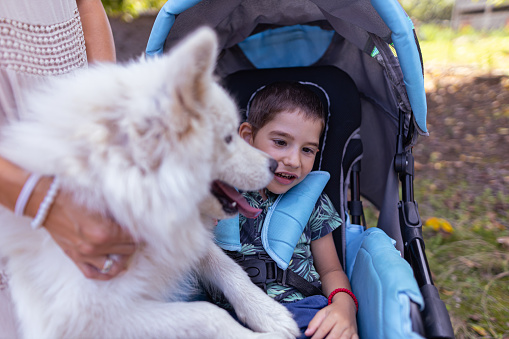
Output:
x,y
284,96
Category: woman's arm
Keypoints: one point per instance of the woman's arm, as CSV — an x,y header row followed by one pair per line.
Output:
x,y
86,238
337,320
12,179
97,31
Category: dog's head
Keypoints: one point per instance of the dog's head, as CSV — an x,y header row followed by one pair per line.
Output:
x,y
148,138
234,162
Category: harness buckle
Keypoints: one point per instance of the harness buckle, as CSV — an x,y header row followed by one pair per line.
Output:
x,y
260,268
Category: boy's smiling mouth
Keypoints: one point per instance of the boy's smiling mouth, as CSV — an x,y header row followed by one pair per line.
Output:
x,y
285,178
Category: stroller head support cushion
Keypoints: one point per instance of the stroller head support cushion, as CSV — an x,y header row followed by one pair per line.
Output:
x,y
284,223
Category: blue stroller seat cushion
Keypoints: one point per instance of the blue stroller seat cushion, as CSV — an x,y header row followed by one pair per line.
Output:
x,y
284,223
384,284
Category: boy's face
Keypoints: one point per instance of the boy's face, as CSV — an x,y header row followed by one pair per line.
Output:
x,y
292,140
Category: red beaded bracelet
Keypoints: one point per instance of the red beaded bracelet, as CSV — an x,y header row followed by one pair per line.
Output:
x,y
346,290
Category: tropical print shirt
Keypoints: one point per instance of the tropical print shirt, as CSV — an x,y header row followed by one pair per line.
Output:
x,y
324,219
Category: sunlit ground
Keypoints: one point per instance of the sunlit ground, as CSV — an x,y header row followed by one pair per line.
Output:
x,y
462,176
486,52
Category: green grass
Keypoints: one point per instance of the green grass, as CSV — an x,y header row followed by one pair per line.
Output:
x,y
486,50
469,266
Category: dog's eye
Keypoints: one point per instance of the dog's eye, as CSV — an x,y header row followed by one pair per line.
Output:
x,y
228,139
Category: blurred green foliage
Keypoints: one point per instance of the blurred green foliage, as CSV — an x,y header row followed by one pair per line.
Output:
x,y
422,10
131,8
434,11
486,50
425,11
428,10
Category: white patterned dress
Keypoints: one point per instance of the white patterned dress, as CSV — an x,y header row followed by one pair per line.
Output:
x,y
38,39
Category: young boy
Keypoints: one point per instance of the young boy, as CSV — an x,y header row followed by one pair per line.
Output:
x,y
286,121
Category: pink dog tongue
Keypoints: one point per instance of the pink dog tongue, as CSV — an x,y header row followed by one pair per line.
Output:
x,y
244,208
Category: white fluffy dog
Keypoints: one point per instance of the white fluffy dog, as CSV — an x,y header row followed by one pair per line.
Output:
x,y
145,143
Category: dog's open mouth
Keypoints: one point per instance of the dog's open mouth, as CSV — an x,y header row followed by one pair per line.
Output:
x,y
232,201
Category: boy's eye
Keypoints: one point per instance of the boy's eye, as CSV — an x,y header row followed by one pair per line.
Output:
x,y
280,142
309,150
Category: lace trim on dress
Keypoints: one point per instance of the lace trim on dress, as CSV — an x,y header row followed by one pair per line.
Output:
x,y
42,49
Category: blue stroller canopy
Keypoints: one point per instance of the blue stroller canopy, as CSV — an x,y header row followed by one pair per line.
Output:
x,y
380,28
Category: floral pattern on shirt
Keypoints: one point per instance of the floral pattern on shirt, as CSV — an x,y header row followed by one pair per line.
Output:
x,y
324,219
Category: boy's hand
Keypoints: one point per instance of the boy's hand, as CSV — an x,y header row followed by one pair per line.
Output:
x,y
337,320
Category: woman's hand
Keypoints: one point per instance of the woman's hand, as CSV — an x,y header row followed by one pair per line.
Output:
x,y
338,320
90,240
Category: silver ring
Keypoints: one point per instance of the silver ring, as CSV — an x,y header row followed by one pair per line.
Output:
x,y
108,264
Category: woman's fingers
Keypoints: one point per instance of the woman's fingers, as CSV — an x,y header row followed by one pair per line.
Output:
x,y
99,267
90,240
101,232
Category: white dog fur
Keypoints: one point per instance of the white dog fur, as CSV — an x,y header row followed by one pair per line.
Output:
x,y
141,142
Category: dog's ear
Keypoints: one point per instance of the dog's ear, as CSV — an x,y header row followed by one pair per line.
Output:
x,y
196,59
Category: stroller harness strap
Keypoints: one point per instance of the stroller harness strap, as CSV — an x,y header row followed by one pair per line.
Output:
x,y
284,223
262,270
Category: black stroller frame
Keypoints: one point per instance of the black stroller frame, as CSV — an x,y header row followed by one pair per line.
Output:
x,y
435,318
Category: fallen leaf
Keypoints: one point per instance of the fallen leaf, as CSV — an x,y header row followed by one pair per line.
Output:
x,y
468,262
504,241
479,330
446,292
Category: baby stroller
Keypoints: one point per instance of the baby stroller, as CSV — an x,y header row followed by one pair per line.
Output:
x,y
363,59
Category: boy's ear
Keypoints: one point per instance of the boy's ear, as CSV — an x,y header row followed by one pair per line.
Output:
x,y
246,132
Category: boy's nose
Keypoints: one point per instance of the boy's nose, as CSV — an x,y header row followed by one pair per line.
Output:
x,y
272,165
292,159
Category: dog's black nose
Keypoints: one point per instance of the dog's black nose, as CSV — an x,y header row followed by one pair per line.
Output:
x,y
273,165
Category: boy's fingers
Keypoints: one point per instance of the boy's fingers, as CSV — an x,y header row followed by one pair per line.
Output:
x,y
349,333
325,330
315,323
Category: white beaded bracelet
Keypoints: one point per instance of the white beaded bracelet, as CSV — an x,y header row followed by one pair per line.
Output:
x,y
25,194
45,205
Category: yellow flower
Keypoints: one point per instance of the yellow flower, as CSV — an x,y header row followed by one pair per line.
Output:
x,y
447,227
439,224
433,223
